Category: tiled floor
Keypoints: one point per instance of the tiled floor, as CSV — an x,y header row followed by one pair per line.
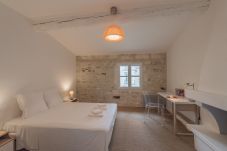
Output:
x,y
131,133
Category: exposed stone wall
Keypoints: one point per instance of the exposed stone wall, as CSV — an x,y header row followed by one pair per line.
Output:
x,y
97,77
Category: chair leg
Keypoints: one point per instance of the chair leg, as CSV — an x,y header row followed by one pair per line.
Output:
x,y
163,111
145,113
148,112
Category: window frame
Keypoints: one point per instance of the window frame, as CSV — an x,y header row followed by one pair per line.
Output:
x,y
129,75
123,76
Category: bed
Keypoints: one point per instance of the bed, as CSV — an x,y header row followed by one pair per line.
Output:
x,y
67,127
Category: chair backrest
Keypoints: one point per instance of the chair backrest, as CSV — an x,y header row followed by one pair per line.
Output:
x,y
150,98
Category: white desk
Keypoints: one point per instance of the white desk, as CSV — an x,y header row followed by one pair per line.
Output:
x,y
6,143
180,104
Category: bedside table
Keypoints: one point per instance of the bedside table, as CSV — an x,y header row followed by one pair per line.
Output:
x,y
74,100
6,143
71,100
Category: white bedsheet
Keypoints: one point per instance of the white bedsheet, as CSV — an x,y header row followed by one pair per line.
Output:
x,y
65,128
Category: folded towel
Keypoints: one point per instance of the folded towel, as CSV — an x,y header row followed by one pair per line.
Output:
x,y
102,105
96,111
95,115
103,108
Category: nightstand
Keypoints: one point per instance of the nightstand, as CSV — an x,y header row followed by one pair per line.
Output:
x,y
71,100
6,143
74,100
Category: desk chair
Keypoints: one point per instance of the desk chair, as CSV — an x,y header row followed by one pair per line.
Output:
x,y
151,102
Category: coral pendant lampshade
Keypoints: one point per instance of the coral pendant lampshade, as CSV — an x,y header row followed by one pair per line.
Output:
x,y
114,33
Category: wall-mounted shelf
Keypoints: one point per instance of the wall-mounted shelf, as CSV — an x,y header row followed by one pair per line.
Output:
x,y
215,104
215,100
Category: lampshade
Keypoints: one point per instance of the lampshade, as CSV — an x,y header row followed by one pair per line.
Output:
x,y
114,33
71,93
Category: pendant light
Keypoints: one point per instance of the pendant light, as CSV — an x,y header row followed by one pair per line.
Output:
x,y
114,33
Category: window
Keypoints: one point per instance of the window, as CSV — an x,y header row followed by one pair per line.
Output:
x,y
130,76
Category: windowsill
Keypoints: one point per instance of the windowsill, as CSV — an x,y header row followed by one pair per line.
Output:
x,y
131,88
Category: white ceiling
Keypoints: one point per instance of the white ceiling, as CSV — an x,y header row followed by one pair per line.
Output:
x,y
144,35
45,8
150,34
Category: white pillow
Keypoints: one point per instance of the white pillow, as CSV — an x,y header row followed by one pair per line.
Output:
x,y
31,104
52,98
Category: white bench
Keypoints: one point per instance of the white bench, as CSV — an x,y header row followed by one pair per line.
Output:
x,y
207,140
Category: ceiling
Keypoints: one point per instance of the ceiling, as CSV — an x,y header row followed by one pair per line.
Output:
x,y
147,34
142,36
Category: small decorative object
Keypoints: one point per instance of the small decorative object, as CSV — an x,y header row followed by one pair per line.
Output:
x,y
3,133
192,85
179,92
74,100
163,88
172,97
116,97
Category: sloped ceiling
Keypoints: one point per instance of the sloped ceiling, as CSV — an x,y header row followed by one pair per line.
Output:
x,y
141,36
148,34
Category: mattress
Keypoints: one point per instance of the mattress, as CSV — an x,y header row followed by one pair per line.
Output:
x,y
65,128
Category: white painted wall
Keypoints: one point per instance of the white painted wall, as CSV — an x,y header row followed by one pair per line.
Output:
x,y
200,54
213,76
185,58
29,61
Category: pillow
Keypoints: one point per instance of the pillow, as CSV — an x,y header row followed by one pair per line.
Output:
x,y
52,98
31,104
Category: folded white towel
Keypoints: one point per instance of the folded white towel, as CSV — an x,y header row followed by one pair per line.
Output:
x,y
95,115
96,111
102,105
103,108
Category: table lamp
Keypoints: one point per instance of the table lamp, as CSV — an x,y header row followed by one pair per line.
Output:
x,y
71,94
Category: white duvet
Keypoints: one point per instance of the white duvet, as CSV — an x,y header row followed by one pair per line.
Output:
x,y
67,127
